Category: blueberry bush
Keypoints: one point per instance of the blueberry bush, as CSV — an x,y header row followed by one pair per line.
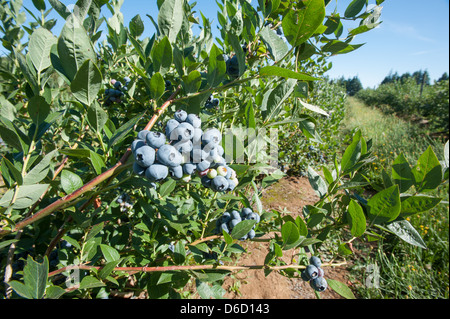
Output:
x,y
122,164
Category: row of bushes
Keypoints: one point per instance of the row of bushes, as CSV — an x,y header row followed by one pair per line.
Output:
x,y
408,98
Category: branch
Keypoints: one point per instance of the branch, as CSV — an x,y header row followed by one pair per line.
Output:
x,y
191,267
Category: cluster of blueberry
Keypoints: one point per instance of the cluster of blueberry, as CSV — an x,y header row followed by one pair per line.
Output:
x,y
183,150
232,65
115,94
212,102
315,274
124,201
230,219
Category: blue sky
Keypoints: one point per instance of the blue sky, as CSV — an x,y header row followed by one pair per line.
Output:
x,y
414,36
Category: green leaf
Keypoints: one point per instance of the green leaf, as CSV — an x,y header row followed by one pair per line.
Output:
x,y
97,162
407,232
110,253
26,196
90,282
227,237
289,234
216,66
340,288
179,253
427,172
313,108
300,23
354,8
60,8
97,117
87,83
38,109
20,289
274,98
317,182
417,204
74,47
351,156
167,188
136,26
40,171
122,131
385,206
162,55
285,73
357,219
9,170
170,18
242,228
12,135
96,229
192,82
39,46
157,86
54,292
70,182
276,46
35,277
402,174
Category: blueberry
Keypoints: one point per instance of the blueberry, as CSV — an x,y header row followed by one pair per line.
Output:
x,y
155,139
197,138
253,216
170,126
232,66
219,184
145,156
304,275
194,120
245,211
232,223
126,80
182,132
184,147
117,84
176,172
321,272
143,134
312,271
215,102
319,284
156,172
224,227
169,156
203,165
314,260
244,237
235,214
198,155
138,169
180,116
211,136
189,168
136,144
251,234
206,181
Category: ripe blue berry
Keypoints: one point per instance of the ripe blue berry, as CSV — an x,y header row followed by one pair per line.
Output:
x,y
182,132
145,156
170,126
235,214
203,165
138,169
156,172
194,120
169,156
312,271
219,184
136,144
211,136
142,134
180,115
189,168
319,284
232,223
155,139
251,234
176,172
314,260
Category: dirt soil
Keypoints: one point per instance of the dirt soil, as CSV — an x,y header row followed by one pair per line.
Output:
x,y
290,193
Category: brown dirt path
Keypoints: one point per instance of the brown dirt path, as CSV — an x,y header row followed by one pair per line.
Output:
x,y
290,193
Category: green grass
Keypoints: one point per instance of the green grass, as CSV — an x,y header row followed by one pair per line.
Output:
x,y
406,271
